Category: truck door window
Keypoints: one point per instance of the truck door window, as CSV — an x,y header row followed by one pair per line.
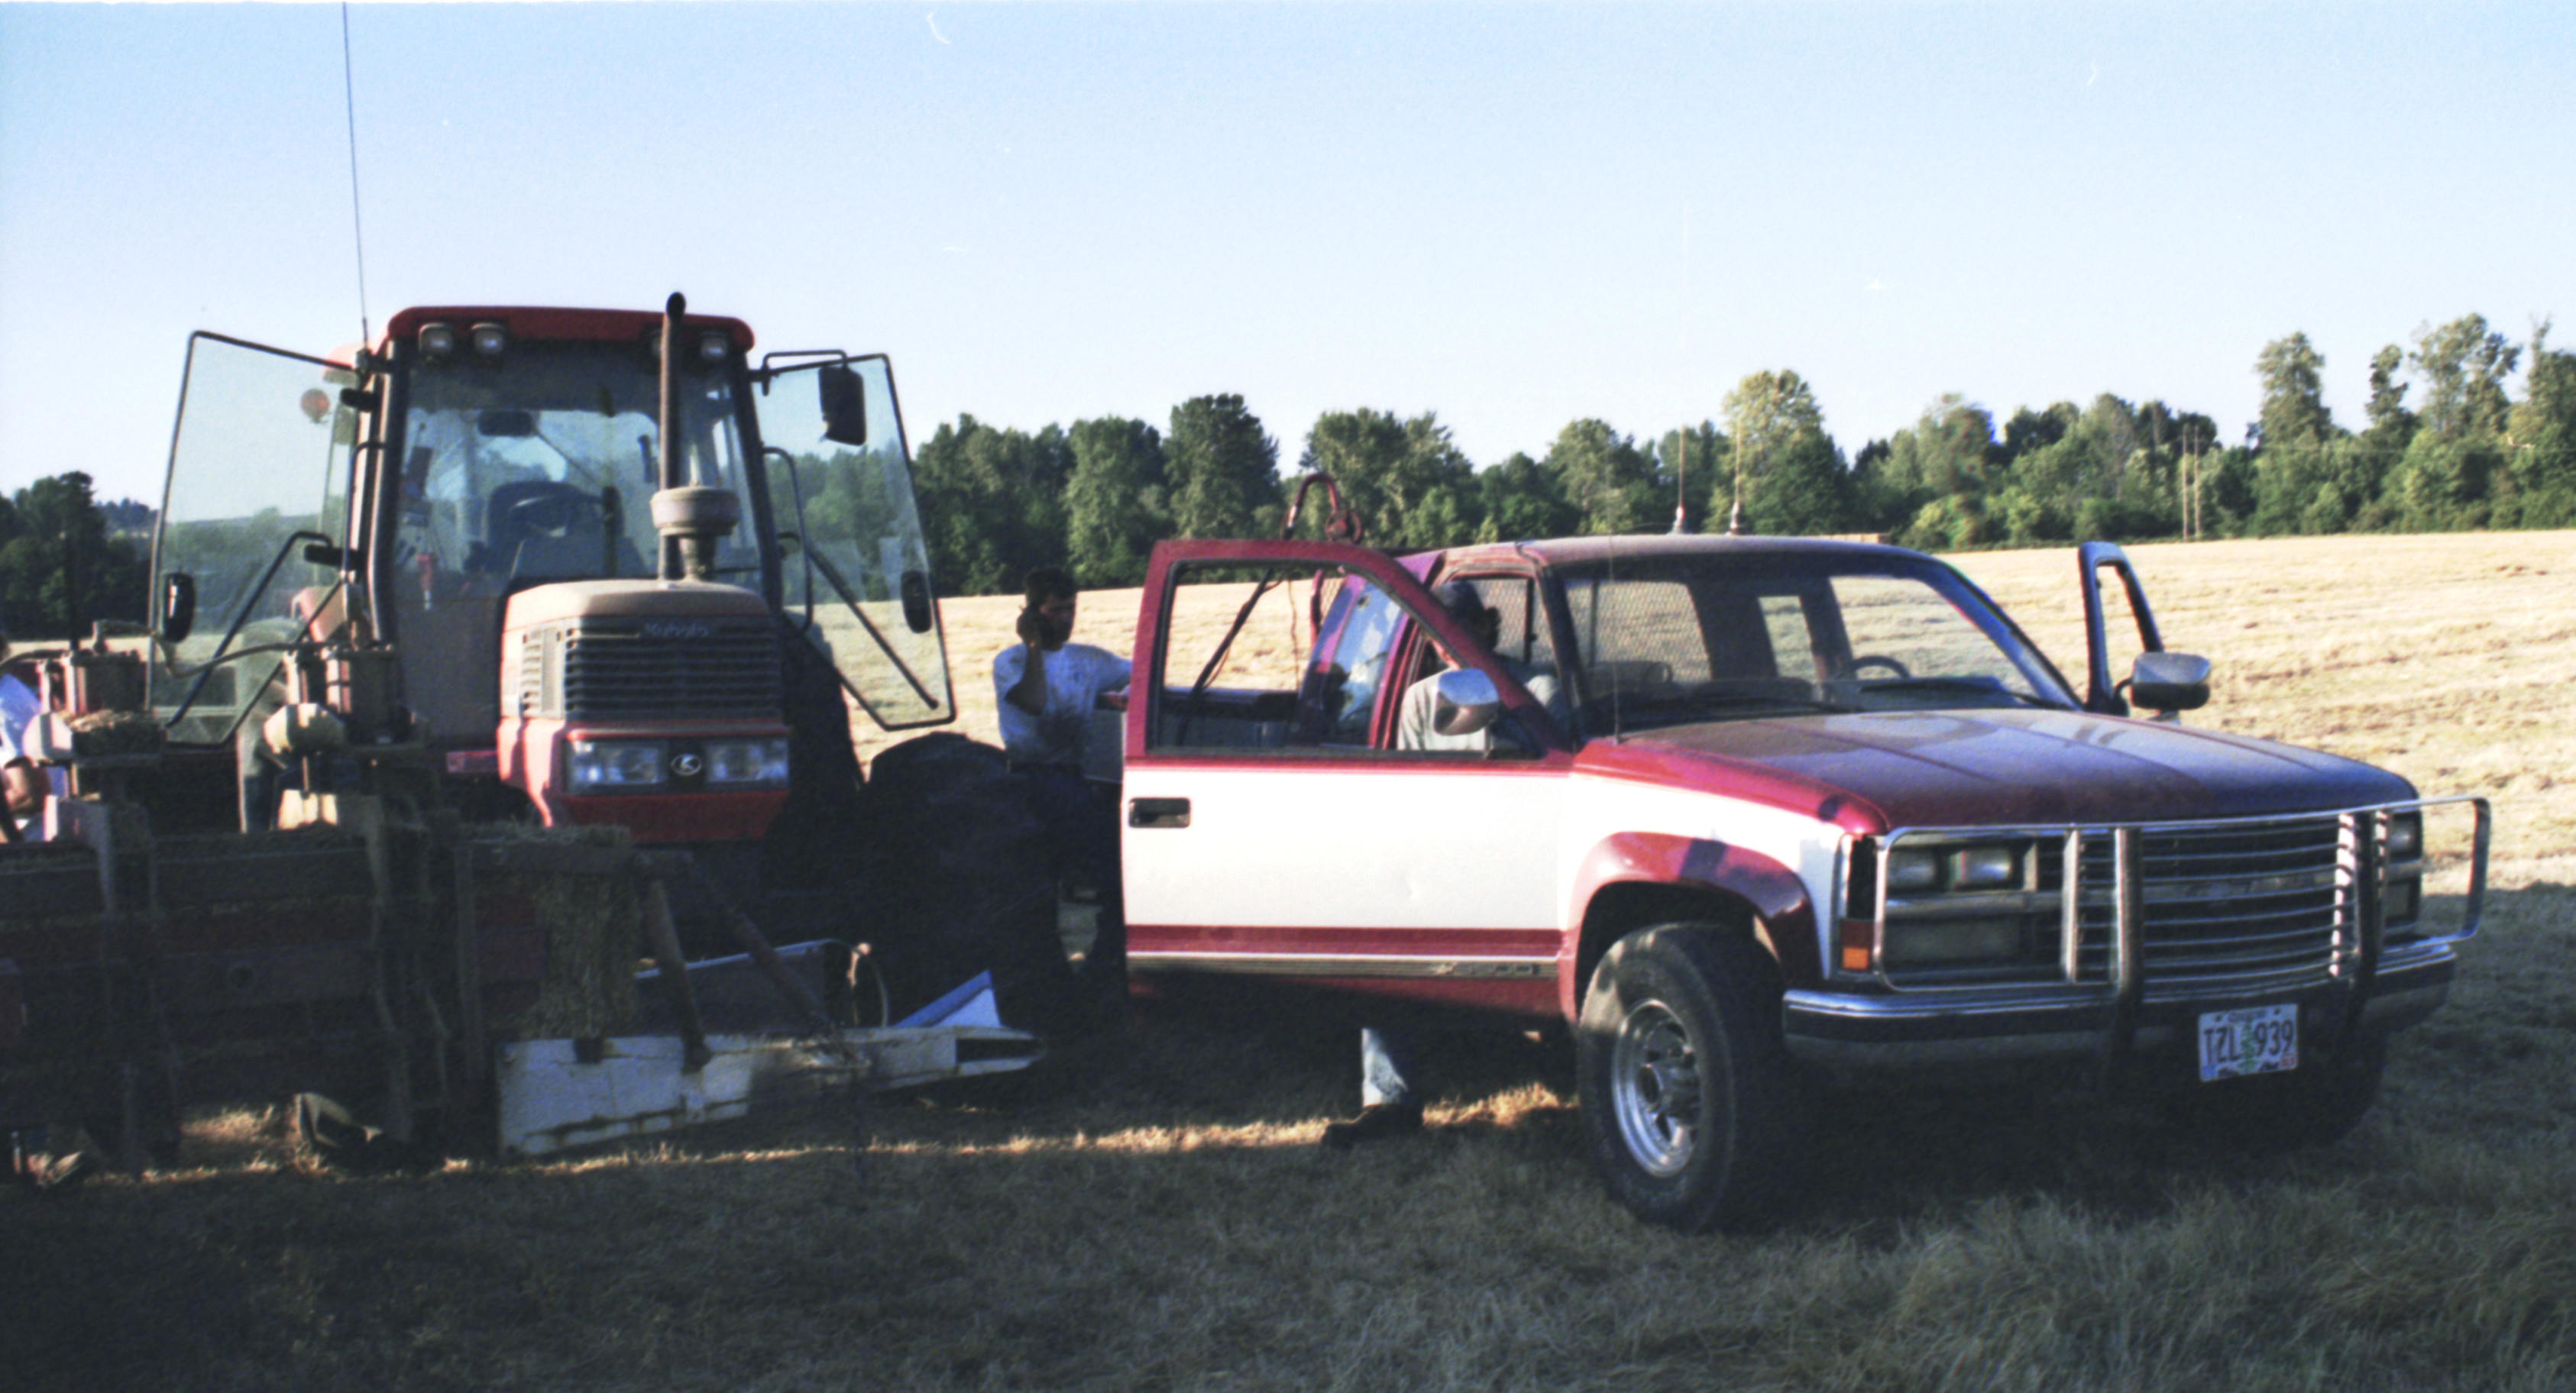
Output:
x,y
1236,686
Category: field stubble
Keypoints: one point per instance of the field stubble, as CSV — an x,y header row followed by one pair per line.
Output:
x,y
1149,1210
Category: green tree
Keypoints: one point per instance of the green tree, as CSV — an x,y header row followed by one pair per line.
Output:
x,y
1223,472
1409,483
992,504
1947,453
60,571
2540,437
1116,504
1793,478
1605,478
1521,500
2294,406
2464,364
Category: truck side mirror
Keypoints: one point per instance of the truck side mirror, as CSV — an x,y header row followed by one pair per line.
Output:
x,y
2169,681
1464,702
178,606
916,602
845,405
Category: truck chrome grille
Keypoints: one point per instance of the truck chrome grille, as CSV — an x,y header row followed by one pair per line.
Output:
x,y
616,669
2226,906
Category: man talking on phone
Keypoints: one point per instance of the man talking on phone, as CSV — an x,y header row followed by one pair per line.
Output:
x,y
1046,686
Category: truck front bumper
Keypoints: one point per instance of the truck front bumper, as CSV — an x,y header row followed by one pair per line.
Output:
x,y
1857,1035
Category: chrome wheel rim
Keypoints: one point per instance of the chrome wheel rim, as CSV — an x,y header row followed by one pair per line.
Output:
x,y
1654,1088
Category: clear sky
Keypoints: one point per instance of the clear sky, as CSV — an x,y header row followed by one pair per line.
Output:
x,y
1512,215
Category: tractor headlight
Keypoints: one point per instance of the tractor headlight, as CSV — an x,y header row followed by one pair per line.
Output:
x,y
747,764
618,766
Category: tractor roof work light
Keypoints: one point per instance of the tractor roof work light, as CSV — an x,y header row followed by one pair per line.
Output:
x,y
437,341
712,348
491,339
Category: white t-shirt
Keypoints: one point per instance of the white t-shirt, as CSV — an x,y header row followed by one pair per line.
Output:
x,y
1076,675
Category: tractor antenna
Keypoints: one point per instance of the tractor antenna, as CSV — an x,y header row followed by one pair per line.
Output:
x,y
357,224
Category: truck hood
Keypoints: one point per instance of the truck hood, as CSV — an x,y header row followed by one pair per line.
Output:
x,y
1972,768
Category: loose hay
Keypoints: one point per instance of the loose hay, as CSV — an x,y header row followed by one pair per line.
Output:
x,y
592,927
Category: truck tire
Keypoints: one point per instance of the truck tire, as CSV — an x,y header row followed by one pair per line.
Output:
x,y
1689,1097
2272,1114
957,880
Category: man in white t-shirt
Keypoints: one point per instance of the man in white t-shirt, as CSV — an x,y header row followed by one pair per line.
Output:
x,y
1045,688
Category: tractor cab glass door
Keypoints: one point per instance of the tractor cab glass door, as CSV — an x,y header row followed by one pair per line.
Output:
x,y
258,472
855,570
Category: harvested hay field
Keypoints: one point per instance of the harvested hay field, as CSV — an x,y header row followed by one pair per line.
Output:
x,y
1150,1210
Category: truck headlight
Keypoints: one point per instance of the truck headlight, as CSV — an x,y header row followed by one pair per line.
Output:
x,y
1913,870
618,766
1984,867
2405,836
1953,941
740,764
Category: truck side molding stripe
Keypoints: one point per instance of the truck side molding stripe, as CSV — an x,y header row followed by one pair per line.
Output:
x,y
1355,965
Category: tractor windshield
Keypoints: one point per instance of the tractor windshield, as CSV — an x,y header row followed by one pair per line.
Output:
x,y
540,464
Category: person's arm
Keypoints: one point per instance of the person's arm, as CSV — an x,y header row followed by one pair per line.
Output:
x,y
1029,694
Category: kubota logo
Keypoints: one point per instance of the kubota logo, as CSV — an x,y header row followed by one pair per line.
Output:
x,y
678,628
687,765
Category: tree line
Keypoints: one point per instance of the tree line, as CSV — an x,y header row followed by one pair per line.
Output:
x,y
1094,498
2442,445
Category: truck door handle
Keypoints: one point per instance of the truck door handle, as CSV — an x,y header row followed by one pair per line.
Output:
x,y
1158,812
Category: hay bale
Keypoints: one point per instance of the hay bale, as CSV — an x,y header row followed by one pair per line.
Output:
x,y
593,929
103,734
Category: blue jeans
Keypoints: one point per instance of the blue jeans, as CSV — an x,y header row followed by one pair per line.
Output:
x,y
1081,822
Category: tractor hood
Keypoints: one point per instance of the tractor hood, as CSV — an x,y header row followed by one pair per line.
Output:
x,y
1988,768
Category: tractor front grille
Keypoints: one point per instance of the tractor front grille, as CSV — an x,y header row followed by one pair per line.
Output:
x,y
631,669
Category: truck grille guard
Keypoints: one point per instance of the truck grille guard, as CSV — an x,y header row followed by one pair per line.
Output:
x,y
2161,911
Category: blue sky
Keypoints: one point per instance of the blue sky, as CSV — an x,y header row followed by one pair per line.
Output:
x,y
1511,215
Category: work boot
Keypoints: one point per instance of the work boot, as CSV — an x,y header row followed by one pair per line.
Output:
x,y
1375,1122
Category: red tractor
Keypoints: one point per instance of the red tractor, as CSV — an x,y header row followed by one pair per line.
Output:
x,y
475,651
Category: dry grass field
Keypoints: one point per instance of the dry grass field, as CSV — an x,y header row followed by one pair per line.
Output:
x,y
1148,1210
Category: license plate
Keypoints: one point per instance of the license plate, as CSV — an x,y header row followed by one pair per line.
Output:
x,y
2255,1040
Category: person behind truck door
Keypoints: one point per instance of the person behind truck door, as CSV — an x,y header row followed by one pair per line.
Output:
x,y
1390,1100
24,784
1414,728
1047,686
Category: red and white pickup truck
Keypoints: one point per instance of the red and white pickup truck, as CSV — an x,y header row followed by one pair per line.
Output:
x,y
1784,812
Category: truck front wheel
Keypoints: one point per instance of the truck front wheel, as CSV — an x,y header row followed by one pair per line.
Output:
x,y
1689,1097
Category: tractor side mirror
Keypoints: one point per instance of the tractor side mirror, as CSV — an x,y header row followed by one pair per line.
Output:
x,y
845,405
916,602
2169,681
178,606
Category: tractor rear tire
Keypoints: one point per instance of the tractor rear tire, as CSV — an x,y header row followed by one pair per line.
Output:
x,y
959,880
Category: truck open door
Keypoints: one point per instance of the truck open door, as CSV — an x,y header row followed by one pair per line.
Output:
x,y
2165,683
258,475
855,572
